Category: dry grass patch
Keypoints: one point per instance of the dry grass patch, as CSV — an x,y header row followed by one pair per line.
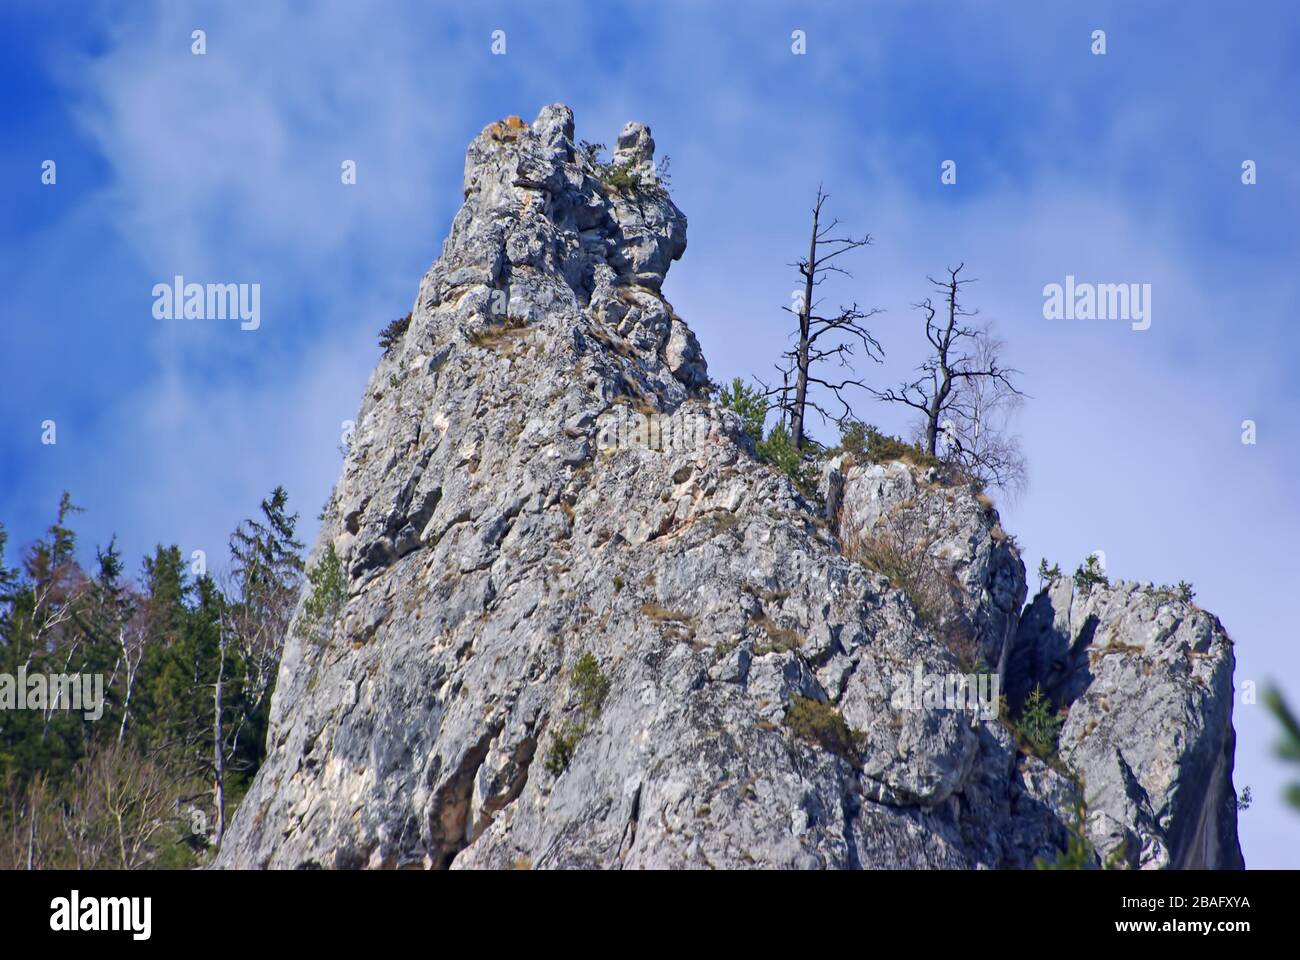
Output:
x,y
503,337
901,546
781,638
663,615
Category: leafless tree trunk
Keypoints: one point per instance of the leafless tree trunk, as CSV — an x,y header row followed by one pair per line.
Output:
x,y
219,750
806,356
31,837
131,667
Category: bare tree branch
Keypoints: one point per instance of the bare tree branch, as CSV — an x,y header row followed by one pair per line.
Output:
x,y
845,330
964,393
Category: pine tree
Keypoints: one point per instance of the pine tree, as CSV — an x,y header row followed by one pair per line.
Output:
x,y
267,570
42,635
1288,747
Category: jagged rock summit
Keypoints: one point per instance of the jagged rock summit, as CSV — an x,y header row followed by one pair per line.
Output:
x,y
585,627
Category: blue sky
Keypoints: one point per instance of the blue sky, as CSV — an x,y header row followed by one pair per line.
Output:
x,y
1116,168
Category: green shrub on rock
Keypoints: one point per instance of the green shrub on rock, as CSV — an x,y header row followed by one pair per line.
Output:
x,y
821,724
591,685
329,592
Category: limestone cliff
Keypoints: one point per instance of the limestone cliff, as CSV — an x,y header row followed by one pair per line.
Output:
x,y
586,627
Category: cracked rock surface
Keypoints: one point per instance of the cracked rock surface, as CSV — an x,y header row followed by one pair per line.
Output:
x,y
1147,678
537,474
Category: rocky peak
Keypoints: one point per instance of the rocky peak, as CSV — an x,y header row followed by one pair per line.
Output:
x,y
584,626
635,147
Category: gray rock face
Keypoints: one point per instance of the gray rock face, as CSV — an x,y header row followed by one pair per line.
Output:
x,y
538,480
1147,678
960,533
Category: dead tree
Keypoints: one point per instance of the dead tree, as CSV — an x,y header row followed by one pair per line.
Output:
x,y
977,432
803,361
219,749
960,376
